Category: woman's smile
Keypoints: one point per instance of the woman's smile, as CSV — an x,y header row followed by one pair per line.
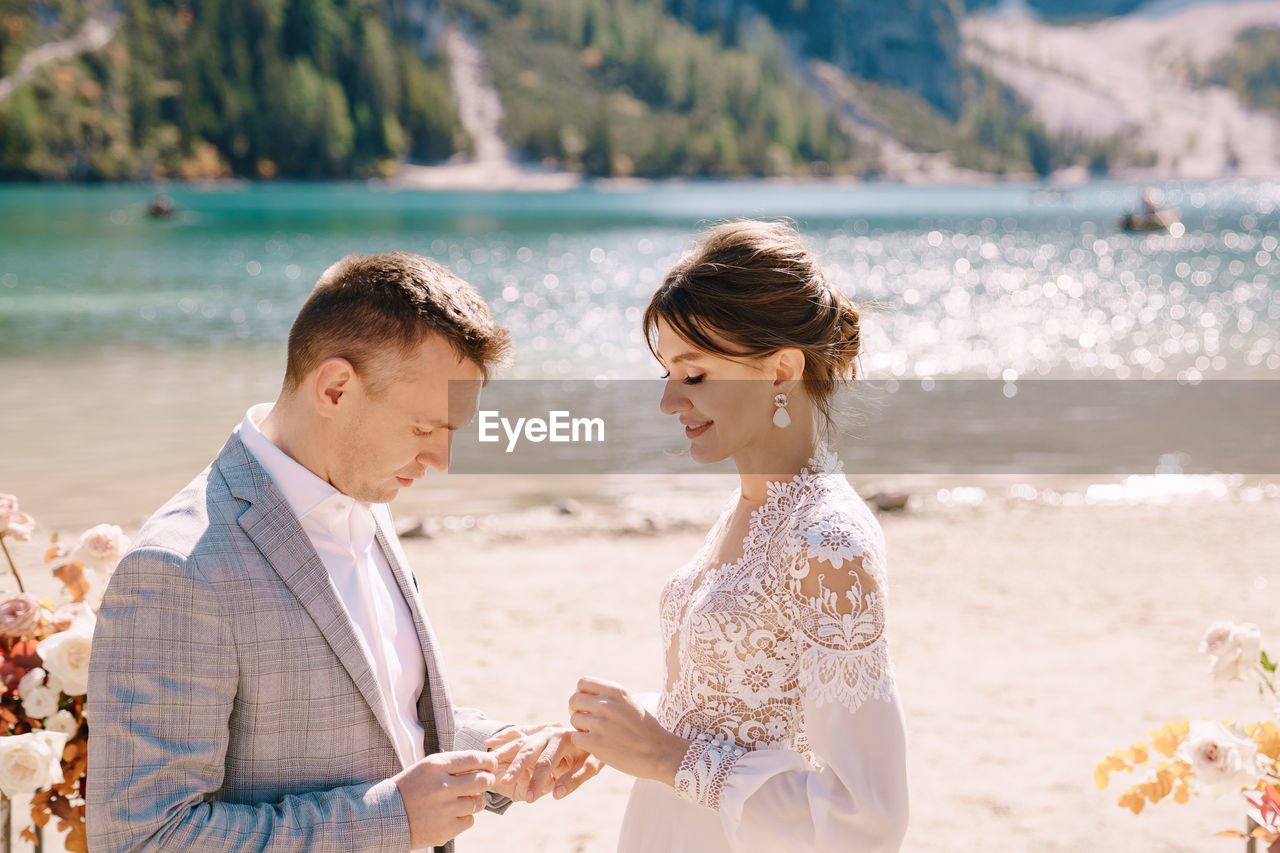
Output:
x,y
695,429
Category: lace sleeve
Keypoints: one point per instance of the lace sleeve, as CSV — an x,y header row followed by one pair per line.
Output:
x,y
836,594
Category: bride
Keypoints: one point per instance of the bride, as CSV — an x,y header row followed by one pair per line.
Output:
x,y
779,725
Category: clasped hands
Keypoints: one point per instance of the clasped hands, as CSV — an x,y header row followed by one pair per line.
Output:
x,y
607,726
444,791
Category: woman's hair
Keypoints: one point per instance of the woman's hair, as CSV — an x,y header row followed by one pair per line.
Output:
x,y
750,288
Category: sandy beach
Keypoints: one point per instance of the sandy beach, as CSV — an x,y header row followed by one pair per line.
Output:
x,y
1030,641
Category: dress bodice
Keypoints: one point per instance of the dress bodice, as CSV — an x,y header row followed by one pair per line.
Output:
x,y
798,617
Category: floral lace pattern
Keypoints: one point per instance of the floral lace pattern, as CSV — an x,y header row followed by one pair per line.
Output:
x,y
800,613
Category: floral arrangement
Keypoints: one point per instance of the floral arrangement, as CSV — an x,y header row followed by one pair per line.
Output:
x,y
44,675
1219,758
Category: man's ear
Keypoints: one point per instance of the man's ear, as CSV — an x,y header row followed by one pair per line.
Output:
x,y
333,378
789,366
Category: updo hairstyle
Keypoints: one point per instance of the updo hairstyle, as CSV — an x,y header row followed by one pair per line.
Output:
x,y
756,288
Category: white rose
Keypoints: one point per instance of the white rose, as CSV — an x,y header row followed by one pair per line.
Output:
x,y
66,654
1232,649
63,722
53,682
1221,760
30,762
1217,640
39,703
34,678
101,548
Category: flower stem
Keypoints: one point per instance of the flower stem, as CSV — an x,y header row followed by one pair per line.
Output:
x,y
1267,679
12,567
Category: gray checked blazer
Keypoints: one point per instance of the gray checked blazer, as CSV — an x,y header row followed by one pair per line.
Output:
x,y
232,705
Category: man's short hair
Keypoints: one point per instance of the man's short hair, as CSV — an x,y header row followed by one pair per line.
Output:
x,y
367,307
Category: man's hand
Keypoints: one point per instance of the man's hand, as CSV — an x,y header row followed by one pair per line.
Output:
x,y
442,792
536,759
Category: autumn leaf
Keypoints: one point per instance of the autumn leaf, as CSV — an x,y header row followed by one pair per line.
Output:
x,y
77,840
1132,800
72,577
1166,739
1267,736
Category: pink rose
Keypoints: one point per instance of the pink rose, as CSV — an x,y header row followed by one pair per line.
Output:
x,y
101,547
19,614
64,616
19,525
8,506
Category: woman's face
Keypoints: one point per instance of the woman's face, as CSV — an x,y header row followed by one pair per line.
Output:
x,y
724,405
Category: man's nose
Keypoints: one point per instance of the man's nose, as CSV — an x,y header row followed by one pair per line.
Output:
x,y
673,399
436,453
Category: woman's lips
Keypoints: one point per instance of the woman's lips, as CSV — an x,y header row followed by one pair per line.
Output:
x,y
695,430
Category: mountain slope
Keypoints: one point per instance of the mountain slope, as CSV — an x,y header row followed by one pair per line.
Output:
x,y
1145,78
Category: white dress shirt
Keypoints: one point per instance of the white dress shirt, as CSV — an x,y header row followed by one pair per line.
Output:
x,y
342,530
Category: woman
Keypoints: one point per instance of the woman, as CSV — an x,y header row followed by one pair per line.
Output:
x,y
779,726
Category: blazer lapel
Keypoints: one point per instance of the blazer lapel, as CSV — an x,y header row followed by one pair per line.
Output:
x,y
434,704
273,528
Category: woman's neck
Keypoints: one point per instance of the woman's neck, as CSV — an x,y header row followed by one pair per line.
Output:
x,y
780,457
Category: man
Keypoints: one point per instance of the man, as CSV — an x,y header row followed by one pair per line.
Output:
x,y
263,674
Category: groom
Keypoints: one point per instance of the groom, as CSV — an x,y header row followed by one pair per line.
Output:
x,y
263,672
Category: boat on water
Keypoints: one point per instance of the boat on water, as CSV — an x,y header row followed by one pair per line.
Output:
x,y
1154,220
161,207
1150,216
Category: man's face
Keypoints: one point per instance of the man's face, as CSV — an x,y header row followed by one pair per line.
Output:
x,y
385,440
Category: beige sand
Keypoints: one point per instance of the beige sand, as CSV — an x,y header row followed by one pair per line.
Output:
x,y
1030,641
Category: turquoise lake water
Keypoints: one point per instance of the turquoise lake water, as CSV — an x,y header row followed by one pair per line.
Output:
x,y
960,281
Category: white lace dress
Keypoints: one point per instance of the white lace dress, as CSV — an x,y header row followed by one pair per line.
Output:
x,y
784,684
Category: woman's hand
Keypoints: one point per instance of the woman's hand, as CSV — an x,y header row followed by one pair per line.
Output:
x,y
613,726
532,760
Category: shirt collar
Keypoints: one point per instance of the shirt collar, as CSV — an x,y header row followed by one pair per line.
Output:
x,y
302,489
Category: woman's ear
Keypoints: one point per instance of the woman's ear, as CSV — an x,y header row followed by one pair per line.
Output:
x,y
789,367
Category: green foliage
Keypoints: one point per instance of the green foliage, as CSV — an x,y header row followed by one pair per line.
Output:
x,y
609,87
1252,67
200,88
344,88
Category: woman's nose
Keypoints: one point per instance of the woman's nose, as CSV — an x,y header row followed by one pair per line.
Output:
x,y
673,399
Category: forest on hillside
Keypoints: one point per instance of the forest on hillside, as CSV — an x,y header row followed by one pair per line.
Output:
x,y
323,89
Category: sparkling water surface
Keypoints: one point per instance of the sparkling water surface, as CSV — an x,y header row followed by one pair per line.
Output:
x,y
995,281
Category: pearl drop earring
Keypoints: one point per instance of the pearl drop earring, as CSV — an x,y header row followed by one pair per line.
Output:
x,y
781,419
